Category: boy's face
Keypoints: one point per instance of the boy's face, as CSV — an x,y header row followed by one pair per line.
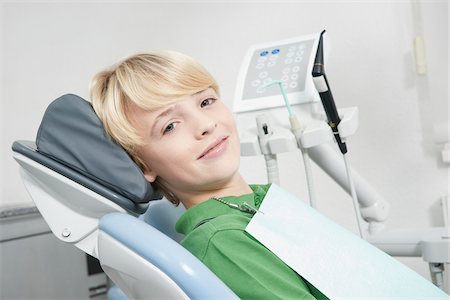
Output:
x,y
192,145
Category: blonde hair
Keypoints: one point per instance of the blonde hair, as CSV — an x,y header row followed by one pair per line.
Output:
x,y
149,80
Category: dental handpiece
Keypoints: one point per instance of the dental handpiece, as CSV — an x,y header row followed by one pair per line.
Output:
x,y
322,86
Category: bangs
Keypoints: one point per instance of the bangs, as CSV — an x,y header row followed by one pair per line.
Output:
x,y
154,84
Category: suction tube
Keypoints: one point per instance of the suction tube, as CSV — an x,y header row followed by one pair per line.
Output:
x,y
322,86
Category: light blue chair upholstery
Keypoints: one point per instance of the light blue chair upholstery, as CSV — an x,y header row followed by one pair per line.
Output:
x,y
184,275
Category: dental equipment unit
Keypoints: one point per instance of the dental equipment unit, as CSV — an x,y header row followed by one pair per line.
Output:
x,y
93,196
297,65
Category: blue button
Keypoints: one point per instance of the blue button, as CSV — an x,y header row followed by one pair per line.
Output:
x,y
275,51
264,53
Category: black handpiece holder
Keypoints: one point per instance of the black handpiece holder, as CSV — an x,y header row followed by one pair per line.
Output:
x,y
322,86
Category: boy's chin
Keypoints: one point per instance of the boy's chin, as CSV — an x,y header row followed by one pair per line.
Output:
x,y
223,177
223,170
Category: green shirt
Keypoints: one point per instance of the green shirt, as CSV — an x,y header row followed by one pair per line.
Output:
x,y
215,234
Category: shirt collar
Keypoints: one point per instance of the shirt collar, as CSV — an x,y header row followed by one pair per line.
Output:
x,y
210,209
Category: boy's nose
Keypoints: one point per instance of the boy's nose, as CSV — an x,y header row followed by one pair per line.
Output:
x,y
205,126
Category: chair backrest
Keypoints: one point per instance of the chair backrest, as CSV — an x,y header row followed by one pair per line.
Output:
x,y
76,174
26,152
72,134
70,203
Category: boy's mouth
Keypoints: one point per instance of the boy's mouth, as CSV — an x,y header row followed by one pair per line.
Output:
x,y
215,148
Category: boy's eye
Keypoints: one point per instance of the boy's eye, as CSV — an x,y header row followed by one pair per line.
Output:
x,y
169,128
207,102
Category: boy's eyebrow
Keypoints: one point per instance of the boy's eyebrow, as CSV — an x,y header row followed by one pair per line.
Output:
x,y
200,92
165,112
205,91
171,109
161,115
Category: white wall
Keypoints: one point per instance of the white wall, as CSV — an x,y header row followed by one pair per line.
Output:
x,y
55,48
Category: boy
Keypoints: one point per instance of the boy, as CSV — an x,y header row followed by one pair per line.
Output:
x,y
164,109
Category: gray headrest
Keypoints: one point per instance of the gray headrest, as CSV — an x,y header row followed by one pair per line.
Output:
x,y
72,134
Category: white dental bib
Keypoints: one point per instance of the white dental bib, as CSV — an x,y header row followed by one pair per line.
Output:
x,y
334,260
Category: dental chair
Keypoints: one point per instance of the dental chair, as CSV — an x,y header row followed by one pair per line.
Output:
x,y
92,195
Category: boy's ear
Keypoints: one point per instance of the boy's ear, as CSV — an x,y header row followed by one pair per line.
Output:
x,y
150,176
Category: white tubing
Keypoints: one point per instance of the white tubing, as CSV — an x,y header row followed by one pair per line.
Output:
x,y
373,206
354,196
309,178
297,131
272,168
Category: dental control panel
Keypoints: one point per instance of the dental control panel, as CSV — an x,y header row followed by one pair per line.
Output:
x,y
286,63
291,62
287,60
